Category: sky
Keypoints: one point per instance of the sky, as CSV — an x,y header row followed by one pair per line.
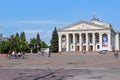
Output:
x,y
42,16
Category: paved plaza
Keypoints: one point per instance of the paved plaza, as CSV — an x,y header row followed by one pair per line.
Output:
x,y
64,66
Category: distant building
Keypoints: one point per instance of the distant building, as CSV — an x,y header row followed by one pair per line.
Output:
x,y
3,38
88,36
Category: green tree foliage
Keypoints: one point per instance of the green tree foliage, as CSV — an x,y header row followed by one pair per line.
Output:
x,y
17,43
43,45
33,41
12,43
22,36
4,47
37,43
17,35
23,43
54,41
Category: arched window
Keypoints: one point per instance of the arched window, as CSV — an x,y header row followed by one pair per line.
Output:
x,y
63,38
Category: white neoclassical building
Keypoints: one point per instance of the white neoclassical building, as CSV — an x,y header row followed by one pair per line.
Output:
x,y
88,36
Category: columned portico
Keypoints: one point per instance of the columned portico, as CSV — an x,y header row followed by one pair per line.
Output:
x,y
80,41
87,36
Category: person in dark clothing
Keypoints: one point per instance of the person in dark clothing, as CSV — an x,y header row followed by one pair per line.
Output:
x,y
116,54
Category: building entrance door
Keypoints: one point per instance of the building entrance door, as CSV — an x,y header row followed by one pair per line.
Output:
x,y
77,48
90,48
84,48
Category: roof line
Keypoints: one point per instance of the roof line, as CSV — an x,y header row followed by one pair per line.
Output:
x,y
82,21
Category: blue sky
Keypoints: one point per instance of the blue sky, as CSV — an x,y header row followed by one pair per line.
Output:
x,y
32,16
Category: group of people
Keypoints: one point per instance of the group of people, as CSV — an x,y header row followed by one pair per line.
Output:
x,y
14,54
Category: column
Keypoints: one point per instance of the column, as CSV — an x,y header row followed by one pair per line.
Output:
x,y
73,41
100,40
87,47
67,42
94,46
60,47
109,42
116,41
80,41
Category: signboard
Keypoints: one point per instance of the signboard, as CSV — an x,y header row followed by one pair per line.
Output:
x,y
104,41
31,46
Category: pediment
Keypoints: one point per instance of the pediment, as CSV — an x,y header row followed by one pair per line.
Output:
x,y
82,26
85,26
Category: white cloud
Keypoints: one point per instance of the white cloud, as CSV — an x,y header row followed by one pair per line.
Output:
x,y
41,22
42,32
45,35
33,31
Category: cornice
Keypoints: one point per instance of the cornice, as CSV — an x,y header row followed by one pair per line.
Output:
x,y
84,22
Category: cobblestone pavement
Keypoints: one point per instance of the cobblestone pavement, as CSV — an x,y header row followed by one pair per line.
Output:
x,y
65,66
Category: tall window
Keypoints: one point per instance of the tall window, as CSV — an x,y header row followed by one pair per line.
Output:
x,y
71,38
77,38
84,38
91,38
97,38
98,46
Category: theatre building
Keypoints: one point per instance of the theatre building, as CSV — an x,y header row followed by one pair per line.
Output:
x,y
94,35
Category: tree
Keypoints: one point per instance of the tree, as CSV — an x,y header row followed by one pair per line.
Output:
x,y
18,43
38,42
23,43
43,45
14,43
54,41
4,46
33,41
22,36
17,35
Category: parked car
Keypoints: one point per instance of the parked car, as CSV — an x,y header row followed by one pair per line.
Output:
x,y
102,52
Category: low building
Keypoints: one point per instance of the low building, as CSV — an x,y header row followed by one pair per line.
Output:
x,y
3,38
94,35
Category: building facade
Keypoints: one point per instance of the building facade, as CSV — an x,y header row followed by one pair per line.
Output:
x,y
94,35
3,38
